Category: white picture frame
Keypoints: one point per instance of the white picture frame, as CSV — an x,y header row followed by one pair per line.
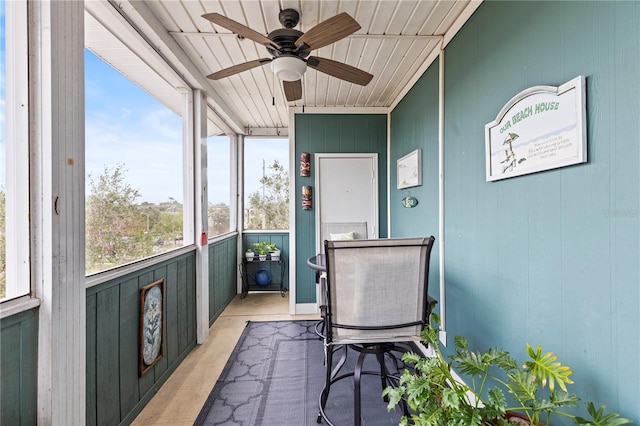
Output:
x,y
409,170
541,128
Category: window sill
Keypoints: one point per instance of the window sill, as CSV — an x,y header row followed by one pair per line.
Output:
x,y
16,306
122,270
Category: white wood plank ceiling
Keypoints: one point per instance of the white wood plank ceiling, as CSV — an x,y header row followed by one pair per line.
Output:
x,y
396,42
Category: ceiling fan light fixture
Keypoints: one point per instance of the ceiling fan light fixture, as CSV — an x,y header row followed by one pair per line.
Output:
x,y
288,68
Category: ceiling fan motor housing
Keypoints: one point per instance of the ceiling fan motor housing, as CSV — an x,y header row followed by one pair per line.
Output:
x,y
286,38
288,63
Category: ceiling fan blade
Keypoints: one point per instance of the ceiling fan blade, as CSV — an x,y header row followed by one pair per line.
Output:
x,y
238,68
238,28
292,90
329,31
340,70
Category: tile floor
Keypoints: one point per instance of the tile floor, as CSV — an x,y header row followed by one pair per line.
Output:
x,y
180,399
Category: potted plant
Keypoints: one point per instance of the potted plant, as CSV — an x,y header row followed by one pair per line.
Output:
x,y
274,252
262,248
249,255
437,398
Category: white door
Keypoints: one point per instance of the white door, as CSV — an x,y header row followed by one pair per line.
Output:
x,y
346,191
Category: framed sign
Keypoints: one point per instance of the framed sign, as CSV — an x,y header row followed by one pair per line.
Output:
x,y
541,128
410,170
151,342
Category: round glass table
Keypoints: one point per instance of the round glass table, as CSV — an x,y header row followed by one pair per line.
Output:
x,y
318,263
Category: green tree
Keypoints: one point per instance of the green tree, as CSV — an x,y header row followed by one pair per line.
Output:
x,y
115,227
151,213
218,218
269,207
169,226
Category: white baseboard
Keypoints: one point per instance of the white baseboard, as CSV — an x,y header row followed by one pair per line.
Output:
x,y
306,309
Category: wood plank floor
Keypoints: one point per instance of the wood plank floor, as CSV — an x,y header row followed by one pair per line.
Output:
x,y
180,399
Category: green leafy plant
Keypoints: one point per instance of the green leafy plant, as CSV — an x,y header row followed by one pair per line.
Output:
x,y
264,247
272,247
436,397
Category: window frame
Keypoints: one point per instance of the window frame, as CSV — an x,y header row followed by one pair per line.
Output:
x,y
17,143
245,202
185,117
231,200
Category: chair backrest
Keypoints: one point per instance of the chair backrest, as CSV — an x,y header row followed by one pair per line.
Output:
x,y
334,231
377,289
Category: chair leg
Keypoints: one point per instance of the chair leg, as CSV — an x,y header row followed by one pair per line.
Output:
x,y
357,374
324,394
384,375
330,377
343,359
394,359
327,384
387,379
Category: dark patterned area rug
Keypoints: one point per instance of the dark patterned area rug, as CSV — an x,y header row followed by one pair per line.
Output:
x,y
274,377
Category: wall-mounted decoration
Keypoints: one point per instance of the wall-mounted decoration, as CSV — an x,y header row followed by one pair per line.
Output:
x,y
541,128
151,342
410,169
409,202
306,197
305,164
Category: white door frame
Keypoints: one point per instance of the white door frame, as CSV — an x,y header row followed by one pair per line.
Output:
x,y
374,161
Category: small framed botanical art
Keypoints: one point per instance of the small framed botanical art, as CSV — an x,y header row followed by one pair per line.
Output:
x,y
410,170
151,342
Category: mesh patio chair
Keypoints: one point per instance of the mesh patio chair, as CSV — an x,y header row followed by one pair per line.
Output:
x,y
335,231
376,299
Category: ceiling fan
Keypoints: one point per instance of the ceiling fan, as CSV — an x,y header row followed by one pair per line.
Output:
x,y
290,50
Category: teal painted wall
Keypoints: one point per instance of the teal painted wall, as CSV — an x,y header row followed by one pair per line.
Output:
x,y
115,393
18,377
281,240
551,258
414,125
332,133
223,261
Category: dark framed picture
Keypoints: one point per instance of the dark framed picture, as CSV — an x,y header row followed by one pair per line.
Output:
x,y
151,342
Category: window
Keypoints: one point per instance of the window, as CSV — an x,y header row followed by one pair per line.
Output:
x,y
219,185
14,152
266,183
134,170
3,158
